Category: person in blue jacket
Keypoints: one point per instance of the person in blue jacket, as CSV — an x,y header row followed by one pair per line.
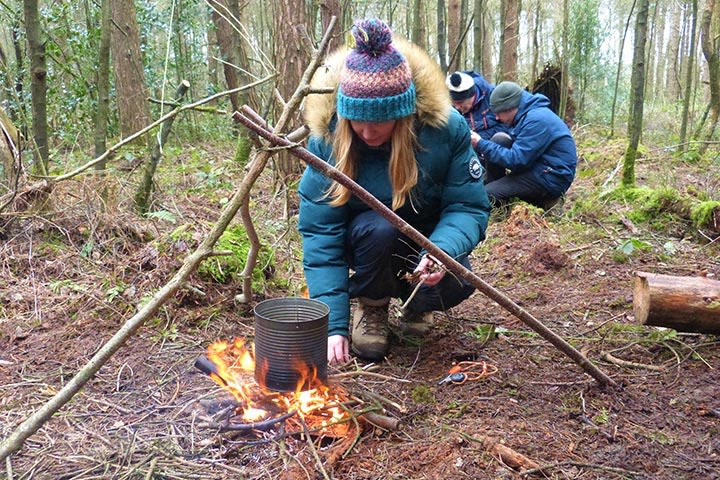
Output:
x,y
470,95
536,162
391,128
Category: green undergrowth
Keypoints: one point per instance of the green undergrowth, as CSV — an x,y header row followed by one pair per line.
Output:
x,y
224,268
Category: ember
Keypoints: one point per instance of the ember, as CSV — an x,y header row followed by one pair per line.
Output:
x,y
231,365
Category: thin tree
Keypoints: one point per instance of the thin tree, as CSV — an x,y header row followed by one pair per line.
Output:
x,y
619,69
441,35
38,84
103,82
689,78
478,34
660,52
536,40
672,73
565,60
637,94
710,32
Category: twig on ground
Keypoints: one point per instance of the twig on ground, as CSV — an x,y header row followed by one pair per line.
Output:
x,y
151,469
364,373
625,363
544,468
313,450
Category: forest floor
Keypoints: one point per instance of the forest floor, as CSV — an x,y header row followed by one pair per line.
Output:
x,y
70,278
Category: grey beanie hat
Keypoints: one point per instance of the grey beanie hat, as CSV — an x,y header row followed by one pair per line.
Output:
x,y
506,96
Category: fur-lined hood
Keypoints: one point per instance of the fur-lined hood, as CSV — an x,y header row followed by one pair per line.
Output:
x,y
433,99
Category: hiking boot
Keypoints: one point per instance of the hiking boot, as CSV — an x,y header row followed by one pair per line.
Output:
x,y
415,324
553,204
370,333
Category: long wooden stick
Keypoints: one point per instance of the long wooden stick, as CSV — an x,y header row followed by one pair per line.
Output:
x,y
245,117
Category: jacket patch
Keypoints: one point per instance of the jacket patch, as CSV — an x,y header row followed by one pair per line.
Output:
x,y
476,170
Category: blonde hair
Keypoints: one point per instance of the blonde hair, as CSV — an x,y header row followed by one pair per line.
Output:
x,y
403,169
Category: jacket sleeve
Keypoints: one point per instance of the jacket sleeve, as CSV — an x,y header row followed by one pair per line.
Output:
x,y
323,229
530,142
464,203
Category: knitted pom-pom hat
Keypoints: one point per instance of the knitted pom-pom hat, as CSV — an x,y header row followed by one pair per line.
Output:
x,y
376,82
461,86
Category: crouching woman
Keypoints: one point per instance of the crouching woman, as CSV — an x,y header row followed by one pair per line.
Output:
x,y
391,128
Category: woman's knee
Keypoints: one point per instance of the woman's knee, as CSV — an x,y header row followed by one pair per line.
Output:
x,y
372,231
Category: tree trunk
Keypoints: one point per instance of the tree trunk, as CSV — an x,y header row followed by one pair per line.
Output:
x,y
455,24
689,78
38,85
478,32
509,39
564,61
142,197
442,35
329,9
213,70
637,94
228,45
710,31
687,304
291,54
103,83
619,69
536,41
129,72
650,59
672,80
487,52
419,26
660,53
9,153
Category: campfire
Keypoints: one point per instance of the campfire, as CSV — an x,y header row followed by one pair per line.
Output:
x,y
312,407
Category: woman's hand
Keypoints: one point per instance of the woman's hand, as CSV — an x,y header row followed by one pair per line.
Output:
x,y
338,349
431,270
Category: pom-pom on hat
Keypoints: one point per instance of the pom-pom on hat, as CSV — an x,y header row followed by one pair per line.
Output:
x,y
506,96
461,86
376,82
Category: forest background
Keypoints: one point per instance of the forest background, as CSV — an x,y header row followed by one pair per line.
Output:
x,y
119,153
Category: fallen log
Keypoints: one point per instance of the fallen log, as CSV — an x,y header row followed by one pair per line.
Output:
x,y
686,304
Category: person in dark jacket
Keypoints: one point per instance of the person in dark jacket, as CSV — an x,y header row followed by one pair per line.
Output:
x,y
392,129
536,163
470,95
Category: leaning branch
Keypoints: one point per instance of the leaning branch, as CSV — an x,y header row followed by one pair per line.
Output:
x,y
246,118
33,423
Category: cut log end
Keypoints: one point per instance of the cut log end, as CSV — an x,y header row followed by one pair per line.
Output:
x,y
686,304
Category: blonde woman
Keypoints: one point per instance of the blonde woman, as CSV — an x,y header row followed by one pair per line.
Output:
x,y
391,128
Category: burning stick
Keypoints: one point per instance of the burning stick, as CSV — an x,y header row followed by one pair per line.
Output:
x,y
262,426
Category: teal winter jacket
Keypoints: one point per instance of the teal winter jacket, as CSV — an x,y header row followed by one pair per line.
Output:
x,y
448,205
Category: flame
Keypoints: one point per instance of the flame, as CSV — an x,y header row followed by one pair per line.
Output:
x,y
319,406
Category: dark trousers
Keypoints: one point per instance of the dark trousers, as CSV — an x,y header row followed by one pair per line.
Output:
x,y
525,186
380,255
502,187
